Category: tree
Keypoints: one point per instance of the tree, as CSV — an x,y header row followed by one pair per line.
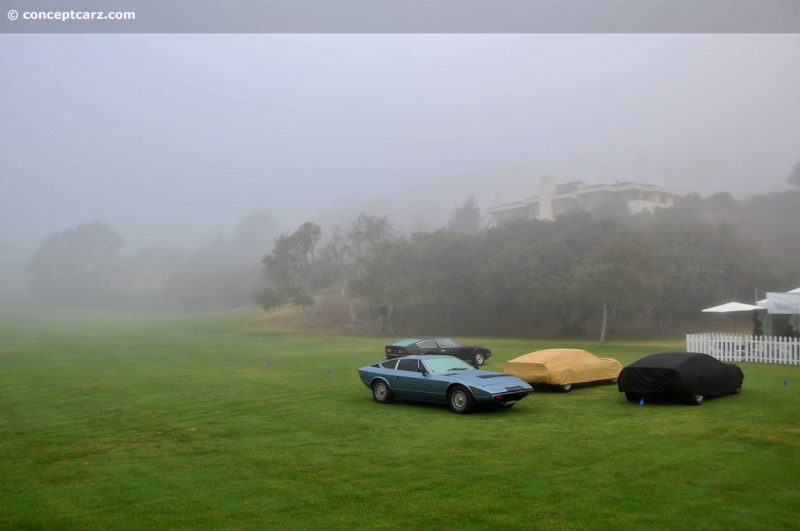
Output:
x,y
389,279
466,218
697,265
794,177
567,243
511,282
77,266
252,235
447,266
290,268
346,251
616,276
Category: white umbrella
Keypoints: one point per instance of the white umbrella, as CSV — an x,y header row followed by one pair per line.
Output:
x,y
731,307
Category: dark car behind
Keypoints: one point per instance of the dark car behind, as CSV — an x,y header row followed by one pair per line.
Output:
x,y
476,355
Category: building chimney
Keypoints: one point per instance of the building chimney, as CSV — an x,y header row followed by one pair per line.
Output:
x,y
547,191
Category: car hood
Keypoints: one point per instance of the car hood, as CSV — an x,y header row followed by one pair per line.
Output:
x,y
491,381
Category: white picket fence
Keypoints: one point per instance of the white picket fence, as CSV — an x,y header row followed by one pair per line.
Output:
x,y
757,349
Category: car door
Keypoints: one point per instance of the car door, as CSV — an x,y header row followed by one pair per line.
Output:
x,y
451,348
435,387
408,382
427,346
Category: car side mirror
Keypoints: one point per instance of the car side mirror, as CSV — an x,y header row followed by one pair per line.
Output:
x,y
422,370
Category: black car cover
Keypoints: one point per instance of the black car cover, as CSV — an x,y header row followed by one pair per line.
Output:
x,y
680,373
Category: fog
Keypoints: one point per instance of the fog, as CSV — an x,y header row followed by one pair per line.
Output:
x,y
177,137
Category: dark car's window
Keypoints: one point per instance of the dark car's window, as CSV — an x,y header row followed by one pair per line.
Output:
x,y
391,364
446,343
408,365
428,343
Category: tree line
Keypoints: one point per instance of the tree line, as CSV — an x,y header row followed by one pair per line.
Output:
x,y
603,266
529,274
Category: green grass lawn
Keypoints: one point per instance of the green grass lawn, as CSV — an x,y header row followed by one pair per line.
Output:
x,y
129,422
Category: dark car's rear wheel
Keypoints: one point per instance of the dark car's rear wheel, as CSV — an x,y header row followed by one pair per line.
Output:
x,y
480,358
460,400
697,399
381,392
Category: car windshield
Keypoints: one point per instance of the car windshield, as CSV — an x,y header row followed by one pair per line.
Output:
x,y
447,364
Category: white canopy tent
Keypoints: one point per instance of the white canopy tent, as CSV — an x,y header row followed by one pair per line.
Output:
x,y
782,303
782,346
786,308
733,307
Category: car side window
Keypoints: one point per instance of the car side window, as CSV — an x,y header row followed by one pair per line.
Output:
x,y
391,364
428,343
408,365
446,343
426,368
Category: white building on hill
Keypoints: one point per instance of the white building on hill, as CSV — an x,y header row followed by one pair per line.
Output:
x,y
555,199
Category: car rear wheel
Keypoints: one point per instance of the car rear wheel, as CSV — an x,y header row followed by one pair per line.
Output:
x,y
698,399
632,397
381,392
566,388
480,358
460,400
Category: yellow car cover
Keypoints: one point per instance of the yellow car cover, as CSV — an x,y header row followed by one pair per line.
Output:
x,y
561,366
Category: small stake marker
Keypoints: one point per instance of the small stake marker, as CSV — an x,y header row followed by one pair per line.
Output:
x,y
641,401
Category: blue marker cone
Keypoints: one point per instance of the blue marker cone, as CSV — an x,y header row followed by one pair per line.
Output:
x,y
269,364
785,383
641,401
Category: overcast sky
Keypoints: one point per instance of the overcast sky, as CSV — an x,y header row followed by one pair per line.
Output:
x,y
180,136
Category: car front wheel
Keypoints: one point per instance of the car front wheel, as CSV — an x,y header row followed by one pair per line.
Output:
x,y
381,392
460,400
480,358
566,388
698,399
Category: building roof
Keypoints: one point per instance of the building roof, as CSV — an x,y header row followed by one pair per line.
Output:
x,y
578,188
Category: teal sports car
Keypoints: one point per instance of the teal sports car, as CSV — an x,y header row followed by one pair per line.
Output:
x,y
442,380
